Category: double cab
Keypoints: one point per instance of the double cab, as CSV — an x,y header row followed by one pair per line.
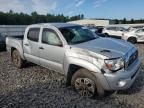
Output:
x,y
91,64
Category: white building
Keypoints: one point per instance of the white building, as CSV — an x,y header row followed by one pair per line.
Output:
x,y
91,22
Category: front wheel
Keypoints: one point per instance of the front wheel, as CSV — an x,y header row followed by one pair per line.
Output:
x,y
132,40
86,84
16,59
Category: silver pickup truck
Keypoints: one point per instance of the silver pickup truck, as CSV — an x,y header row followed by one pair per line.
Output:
x,y
91,64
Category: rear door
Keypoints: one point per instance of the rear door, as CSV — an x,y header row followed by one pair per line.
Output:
x,y
111,30
51,50
119,31
31,45
140,34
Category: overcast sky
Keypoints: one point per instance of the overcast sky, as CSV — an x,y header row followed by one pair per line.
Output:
x,y
90,8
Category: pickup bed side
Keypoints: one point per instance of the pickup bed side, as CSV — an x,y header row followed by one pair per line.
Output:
x,y
15,42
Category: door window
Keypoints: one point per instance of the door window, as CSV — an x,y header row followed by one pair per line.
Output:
x,y
139,31
111,28
121,29
33,34
50,37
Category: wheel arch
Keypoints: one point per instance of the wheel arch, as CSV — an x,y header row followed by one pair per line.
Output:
x,y
72,66
132,37
13,48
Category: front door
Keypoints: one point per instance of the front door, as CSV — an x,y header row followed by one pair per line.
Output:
x,y
51,50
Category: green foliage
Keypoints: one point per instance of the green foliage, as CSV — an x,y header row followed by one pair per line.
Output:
x,y
125,21
12,18
116,21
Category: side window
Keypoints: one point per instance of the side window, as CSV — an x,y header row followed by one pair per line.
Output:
x,y
116,28
50,37
111,28
139,31
120,29
33,34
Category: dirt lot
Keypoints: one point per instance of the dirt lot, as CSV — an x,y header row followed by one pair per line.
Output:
x,y
35,86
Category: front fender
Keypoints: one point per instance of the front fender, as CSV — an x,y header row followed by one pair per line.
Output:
x,y
80,62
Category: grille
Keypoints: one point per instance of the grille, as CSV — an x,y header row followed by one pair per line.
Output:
x,y
132,58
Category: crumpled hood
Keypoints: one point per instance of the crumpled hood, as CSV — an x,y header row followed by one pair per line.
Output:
x,y
111,48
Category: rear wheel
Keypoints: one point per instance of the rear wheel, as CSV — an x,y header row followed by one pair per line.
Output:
x,y
132,40
16,59
108,93
86,84
106,35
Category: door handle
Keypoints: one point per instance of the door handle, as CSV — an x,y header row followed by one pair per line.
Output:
x,y
41,48
26,44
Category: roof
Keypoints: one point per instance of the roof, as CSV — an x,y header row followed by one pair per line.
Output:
x,y
57,25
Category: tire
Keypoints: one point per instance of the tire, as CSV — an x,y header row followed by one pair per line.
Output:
x,y
16,59
133,40
86,84
106,35
109,93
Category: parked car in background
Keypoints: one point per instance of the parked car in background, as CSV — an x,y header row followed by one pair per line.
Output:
x,y
96,30
2,41
136,35
138,27
100,29
100,35
115,31
92,28
93,65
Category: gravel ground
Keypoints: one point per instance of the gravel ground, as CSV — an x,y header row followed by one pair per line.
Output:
x,y
34,87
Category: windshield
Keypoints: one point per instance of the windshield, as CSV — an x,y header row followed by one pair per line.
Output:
x,y
77,34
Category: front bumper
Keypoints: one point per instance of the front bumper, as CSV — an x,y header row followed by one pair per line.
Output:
x,y
123,79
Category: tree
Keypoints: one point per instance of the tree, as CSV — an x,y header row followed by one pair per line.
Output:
x,y
82,16
12,18
11,12
124,21
132,21
116,21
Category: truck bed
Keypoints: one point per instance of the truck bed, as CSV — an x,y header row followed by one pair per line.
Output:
x,y
17,37
15,42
